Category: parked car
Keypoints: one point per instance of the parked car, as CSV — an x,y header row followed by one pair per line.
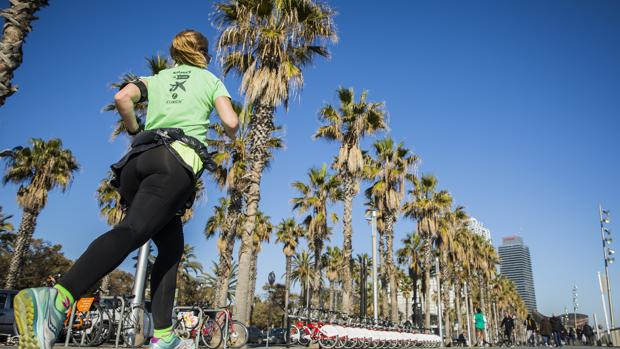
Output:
x,y
277,336
7,319
255,335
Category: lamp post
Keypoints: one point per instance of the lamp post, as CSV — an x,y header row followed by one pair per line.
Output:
x,y
373,222
575,306
138,335
608,257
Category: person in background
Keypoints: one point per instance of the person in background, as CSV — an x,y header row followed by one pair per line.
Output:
x,y
572,337
545,330
531,328
508,324
588,332
480,323
556,330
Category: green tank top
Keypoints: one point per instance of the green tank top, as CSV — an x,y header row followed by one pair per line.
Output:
x,y
183,97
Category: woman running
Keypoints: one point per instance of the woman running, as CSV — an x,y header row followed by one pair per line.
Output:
x,y
156,182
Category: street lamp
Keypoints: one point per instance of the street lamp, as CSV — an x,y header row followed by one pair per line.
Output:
x,y
575,305
608,257
373,220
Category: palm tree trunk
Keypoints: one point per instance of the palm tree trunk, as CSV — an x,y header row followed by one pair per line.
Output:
x,y
224,271
287,289
427,279
457,302
24,236
261,128
17,21
415,296
347,247
316,282
389,251
406,308
383,270
253,267
226,255
331,295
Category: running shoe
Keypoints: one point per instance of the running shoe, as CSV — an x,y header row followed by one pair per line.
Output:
x,y
38,321
174,343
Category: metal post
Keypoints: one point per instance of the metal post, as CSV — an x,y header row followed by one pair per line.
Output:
x,y
439,314
70,325
600,283
575,306
138,293
606,256
374,265
468,315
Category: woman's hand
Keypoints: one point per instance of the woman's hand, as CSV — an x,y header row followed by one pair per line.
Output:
x,y
229,118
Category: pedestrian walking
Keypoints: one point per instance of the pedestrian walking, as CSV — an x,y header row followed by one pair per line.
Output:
x,y
588,332
556,330
508,324
531,328
480,323
545,330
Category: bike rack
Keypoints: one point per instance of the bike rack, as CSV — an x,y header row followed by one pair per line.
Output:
x,y
70,324
226,322
176,310
120,325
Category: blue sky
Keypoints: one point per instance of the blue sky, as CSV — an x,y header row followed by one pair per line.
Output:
x,y
513,105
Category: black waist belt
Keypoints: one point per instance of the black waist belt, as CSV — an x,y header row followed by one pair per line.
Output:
x,y
165,136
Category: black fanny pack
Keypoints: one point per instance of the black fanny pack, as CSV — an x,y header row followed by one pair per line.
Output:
x,y
164,136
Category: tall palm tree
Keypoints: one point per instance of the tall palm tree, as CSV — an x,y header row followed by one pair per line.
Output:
x,y
391,165
321,190
303,272
288,233
267,43
211,280
333,263
348,125
427,206
17,24
231,158
410,255
109,201
38,169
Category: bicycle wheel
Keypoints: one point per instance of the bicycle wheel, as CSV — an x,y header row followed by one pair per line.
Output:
x,y
238,336
130,325
91,327
305,336
293,335
328,342
211,334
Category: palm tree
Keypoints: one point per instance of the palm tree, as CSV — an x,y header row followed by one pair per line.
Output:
x,y
262,233
302,272
333,262
410,255
231,158
17,20
348,125
288,233
109,201
389,169
188,273
406,288
211,280
38,169
321,190
267,43
426,207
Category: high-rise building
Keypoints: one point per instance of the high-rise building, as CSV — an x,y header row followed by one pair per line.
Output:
x,y
516,264
478,228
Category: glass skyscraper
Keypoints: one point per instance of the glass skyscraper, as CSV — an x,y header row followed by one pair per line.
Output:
x,y
515,264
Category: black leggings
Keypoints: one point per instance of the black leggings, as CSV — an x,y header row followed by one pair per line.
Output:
x,y
156,186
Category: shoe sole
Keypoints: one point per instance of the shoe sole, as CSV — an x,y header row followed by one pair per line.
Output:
x,y
24,304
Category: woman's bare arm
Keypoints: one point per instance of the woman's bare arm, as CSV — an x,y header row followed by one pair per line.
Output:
x,y
227,115
125,100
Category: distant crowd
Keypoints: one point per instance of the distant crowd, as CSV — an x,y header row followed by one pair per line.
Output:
x,y
549,331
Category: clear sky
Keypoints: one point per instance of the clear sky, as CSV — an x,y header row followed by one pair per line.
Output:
x,y
513,105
